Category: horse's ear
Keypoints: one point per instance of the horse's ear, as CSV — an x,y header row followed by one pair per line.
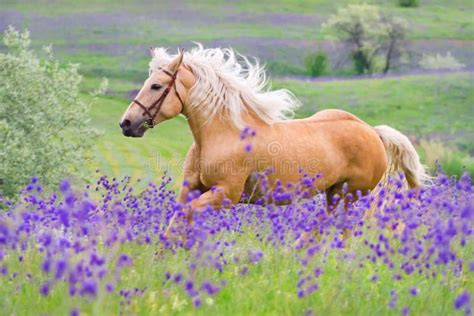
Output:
x,y
152,52
174,65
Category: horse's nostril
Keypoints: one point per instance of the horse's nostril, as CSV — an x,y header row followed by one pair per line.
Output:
x,y
125,124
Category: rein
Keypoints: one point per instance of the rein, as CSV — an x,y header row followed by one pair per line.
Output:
x,y
158,103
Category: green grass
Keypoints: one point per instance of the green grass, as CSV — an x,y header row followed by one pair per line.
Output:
x,y
146,158
432,19
131,27
417,105
268,289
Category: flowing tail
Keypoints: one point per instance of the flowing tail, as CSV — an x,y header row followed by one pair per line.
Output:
x,y
402,156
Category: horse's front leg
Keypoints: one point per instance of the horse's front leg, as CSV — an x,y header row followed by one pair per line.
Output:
x,y
213,198
191,182
190,174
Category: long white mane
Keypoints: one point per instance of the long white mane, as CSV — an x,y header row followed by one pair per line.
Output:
x,y
228,84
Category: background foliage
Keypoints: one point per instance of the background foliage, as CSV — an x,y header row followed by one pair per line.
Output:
x,y
44,123
375,40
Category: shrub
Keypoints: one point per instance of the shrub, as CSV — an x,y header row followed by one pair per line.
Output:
x,y
371,36
439,61
317,64
408,3
44,128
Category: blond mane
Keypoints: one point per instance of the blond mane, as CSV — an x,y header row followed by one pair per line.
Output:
x,y
228,84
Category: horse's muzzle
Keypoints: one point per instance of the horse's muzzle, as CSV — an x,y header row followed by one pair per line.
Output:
x,y
132,130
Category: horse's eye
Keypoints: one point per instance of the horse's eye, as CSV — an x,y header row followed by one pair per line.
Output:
x,y
155,86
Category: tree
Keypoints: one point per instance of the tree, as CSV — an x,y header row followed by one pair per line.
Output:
x,y
44,123
395,31
371,36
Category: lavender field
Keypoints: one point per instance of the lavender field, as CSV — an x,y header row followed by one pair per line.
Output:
x,y
95,244
102,251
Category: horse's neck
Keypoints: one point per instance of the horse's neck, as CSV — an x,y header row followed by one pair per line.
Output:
x,y
197,126
205,131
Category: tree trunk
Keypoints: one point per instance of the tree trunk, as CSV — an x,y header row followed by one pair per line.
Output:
x,y
388,57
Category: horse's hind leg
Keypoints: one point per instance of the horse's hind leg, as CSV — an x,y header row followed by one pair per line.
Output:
x,y
333,194
337,194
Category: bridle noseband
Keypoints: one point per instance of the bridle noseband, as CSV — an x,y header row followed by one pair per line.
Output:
x,y
158,103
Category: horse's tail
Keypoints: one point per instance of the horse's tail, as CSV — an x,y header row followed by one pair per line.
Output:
x,y
402,156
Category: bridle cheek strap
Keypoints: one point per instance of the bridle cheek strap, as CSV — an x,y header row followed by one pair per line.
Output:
x,y
156,106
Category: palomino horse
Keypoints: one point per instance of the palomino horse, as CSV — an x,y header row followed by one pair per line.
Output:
x,y
221,96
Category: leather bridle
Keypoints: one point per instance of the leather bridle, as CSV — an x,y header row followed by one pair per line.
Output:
x,y
156,106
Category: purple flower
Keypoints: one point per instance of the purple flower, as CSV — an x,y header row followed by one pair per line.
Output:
x,y
405,311
197,302
397,277
97,260
109,287
64,186
89,287
209,288
244,133
124,261
463,299
248,148
374,278
414,291
393,299
44,289
255,256
46,239
60,268
63,217
177,278
243,271
46,265
188,286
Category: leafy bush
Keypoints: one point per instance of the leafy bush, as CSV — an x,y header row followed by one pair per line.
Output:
x,y
372,36
408,3
44,128
439,61
317,64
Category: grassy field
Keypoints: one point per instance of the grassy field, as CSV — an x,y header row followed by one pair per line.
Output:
x,y
249,256
110,39
434,19
267,289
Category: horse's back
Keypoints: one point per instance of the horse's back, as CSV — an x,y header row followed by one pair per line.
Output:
x,y
334,115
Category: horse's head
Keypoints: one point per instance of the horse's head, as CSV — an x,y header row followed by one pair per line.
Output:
x,y
162,97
